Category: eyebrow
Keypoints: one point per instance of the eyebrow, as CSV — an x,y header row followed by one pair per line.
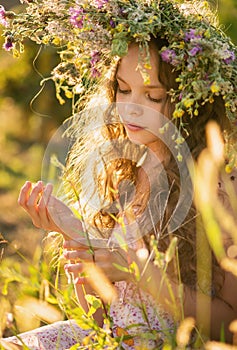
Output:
x,y
148,86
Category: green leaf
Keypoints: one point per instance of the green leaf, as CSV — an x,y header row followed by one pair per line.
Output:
x,y
121,241
121,268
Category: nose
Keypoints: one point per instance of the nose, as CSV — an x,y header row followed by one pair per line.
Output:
x,y
133,109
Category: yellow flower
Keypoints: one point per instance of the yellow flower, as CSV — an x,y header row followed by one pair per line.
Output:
x,y
227,104
179,140
228,168
16,53
178,113
196,112
188,102
179,157
215,87
56,41
181,45
119,28
147,65
68,93
45,40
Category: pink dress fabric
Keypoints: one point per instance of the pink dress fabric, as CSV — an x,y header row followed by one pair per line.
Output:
x,y
134,312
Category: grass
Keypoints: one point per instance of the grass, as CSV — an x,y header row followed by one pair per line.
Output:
x,y
34,288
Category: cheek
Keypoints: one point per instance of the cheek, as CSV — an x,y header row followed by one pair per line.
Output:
x,y
120,97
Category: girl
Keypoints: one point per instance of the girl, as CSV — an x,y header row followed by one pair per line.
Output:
x,y
140,185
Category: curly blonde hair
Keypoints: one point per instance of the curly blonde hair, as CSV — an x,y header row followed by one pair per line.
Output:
x,y
120,169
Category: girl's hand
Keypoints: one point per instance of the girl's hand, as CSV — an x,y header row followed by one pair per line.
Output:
x,y
48,212
34,199
103,258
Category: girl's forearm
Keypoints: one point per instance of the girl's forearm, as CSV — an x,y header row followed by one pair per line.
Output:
x,y
81,290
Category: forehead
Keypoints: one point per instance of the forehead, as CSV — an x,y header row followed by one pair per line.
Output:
x,y
130,63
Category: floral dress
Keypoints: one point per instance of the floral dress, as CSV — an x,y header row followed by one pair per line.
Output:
x,y
134,314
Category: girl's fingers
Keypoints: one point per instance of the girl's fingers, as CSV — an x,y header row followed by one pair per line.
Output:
x,y
35,195
43,214
35,200
44,200
24,194
78,255
74,268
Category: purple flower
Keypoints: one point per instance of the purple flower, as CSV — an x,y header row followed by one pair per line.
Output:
x,y
191,34
8,45
168,56
101,3
3,16
95,73
195,50
95,58
76,16
230,57
112,23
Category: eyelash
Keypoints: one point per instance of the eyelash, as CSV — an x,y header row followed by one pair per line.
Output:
x,y
156,100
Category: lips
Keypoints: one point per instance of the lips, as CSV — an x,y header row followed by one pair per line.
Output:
x,y
133,127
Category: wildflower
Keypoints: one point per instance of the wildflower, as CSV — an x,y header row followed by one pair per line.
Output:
x,y
3,17
56,41
95,57
191,35
178,113
76,17
147,65
188,102
215,88
179,157
120,27
229,168
46,40
8,45
180,96
179,140
112,23
230,57
101,3
195,50
168,55
68,93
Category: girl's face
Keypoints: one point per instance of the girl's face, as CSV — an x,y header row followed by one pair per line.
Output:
x,y
140,102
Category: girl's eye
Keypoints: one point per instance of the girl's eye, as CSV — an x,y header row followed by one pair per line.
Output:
x,y
123,91
155,99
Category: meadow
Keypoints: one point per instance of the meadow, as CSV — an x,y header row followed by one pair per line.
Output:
x,y
33,287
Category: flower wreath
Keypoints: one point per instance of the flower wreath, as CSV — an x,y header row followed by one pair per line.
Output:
x,y
90,34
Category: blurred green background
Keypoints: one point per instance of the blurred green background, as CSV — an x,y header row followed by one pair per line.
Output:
x,y
28,119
